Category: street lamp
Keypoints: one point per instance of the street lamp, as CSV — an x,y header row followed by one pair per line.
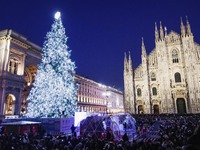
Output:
x,y
106,94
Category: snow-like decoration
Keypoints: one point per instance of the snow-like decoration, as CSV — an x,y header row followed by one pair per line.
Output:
x,y
54,92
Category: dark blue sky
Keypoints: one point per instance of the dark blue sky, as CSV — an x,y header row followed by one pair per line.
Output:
x,y
100,31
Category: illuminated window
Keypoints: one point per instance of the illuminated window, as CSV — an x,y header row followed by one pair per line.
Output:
x,y
10,105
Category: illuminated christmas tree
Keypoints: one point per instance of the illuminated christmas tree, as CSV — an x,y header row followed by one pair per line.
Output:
x,y
54,92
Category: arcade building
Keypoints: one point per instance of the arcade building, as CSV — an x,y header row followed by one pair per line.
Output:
x,y
19,58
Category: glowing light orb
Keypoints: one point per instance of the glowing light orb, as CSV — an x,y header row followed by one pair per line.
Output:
x,y
57,15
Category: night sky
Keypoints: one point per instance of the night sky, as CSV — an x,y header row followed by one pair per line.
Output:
x,y
100,31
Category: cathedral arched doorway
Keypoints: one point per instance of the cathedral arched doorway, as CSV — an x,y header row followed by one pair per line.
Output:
x,y
10,105
155,109
181,106
140,109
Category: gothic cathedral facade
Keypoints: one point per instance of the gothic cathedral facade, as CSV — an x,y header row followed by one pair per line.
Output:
x,y
168,79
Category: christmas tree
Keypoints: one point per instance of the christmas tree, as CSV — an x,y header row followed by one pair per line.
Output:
x,y
54,92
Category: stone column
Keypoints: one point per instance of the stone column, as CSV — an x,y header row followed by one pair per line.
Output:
x,y
12,66
2,100
18,102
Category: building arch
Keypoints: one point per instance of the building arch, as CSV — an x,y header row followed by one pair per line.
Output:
x,y
27,76
177,77
10,104
181,106
156,109
140,109
29,73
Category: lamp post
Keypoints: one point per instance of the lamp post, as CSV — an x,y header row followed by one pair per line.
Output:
x,y
106,94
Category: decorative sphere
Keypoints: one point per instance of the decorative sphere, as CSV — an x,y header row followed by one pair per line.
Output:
x,y
57,15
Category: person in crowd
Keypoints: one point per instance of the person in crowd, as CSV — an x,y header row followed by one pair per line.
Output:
x,y
164,132
73,128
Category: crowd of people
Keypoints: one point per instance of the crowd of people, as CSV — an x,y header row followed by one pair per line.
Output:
x,y
175,131
154,132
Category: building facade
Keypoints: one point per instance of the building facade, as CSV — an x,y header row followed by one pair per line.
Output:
x,y
19,58
96,97
168,79
18,64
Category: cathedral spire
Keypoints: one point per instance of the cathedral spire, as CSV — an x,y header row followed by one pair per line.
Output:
x,y
156,33
165,28
130,61
125,62
188,29
182,29
161,31
144,54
